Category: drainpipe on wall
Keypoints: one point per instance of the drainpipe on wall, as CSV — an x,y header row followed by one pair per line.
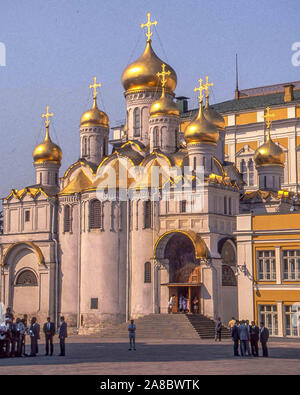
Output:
x,y
54,239
79,262
127,260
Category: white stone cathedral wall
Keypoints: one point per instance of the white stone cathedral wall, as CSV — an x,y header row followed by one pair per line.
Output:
x,y
103,272
141,252
69,269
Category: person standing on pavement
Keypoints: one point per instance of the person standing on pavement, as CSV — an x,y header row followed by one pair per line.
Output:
x,y
254,337
49,330
244,338
131,330
264,337
218,330
235,337
232,322
34,332
62,334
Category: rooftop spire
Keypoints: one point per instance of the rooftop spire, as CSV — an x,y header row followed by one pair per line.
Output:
x,y
237,92
148,26
163,77
47,122
268,121
206,88
95,92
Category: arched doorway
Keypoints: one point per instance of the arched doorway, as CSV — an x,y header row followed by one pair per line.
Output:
x,y
179,254
21,279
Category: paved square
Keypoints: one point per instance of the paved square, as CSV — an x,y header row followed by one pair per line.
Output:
x,y
92,355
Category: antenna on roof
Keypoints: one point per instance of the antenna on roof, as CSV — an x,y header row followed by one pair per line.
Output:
x,y
237,92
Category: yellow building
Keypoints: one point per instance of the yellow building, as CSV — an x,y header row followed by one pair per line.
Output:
x,y
268,249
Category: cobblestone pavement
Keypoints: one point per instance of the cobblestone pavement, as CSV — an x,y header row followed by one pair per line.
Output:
x,y
91,355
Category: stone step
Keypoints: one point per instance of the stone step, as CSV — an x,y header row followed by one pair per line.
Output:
x,y
168,326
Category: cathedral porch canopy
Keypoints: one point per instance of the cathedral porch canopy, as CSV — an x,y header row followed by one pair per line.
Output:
x,y
198,243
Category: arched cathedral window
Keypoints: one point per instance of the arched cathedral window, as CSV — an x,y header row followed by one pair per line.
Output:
x,y
95,214
147,272
26,279
155,137
136,122
147,214
85,147
67,218
228,276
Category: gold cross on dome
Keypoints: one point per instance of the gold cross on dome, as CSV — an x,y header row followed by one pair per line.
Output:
x,y
268,117
94,87
148,26
47,115
163,75
207,85
201,88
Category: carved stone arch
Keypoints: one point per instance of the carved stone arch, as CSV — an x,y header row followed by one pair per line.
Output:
x,y
14,248
227,250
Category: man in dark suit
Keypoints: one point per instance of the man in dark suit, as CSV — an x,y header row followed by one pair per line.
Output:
x,y
264,337
235,337
34,332
49,330
62,336
254,337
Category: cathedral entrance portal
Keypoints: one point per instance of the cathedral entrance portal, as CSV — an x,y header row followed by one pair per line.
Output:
x,y
180,253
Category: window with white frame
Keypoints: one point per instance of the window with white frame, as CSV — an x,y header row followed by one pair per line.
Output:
x,y
268,315
292,319
291,264
251,172
266,266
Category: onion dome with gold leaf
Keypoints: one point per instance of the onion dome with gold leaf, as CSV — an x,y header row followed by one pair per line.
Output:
x,y
47,151
200,130
94,117
269,153
165,104
142,74
213,116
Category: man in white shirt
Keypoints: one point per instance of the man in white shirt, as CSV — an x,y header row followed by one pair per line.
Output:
x,y
131,330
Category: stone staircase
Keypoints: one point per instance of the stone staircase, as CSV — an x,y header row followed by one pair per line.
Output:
x,y
167,326
205,327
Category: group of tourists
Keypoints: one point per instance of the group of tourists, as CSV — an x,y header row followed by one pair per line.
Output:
x,y
183,304
245,335
13,336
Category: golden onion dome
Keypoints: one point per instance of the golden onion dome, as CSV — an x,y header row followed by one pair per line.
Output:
x,y
94,117
47,151
200,130
269,153
164,106
142,74
213,116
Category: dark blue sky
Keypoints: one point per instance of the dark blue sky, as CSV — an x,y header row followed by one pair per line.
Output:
x,y
55,47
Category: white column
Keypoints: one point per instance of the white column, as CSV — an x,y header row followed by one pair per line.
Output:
x,y
278,264
280,319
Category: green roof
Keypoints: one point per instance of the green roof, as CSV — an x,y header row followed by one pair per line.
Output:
x,y
248,103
